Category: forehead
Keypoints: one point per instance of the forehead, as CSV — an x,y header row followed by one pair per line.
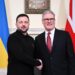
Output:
x,y
23,18
48,15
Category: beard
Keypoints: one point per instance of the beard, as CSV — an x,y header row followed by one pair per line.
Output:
x,y
23,31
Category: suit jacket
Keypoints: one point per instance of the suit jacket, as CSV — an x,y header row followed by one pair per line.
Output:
x,y
61,60
20,54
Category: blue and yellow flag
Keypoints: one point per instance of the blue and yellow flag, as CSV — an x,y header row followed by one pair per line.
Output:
x,y
3,35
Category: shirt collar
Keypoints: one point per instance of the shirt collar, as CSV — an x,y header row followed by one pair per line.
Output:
x,y
51,32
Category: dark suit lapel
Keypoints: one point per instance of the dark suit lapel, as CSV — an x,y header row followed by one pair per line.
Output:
x,y
43,40
55,41
43,43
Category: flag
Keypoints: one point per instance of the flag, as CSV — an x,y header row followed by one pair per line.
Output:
x,y
3,35
70,24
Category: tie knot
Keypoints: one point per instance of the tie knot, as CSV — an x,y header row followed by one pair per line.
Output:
x,y
49,33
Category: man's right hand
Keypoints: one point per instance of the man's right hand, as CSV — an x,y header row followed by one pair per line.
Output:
x,y
40,66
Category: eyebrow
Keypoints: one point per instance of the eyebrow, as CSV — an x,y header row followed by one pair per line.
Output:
x,y
49,19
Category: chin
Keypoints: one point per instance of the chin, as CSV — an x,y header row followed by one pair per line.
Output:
x,y
23,31
49,29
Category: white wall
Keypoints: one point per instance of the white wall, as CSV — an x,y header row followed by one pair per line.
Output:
x,y
15,7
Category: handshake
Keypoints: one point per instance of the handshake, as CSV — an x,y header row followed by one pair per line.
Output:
x,y
40,66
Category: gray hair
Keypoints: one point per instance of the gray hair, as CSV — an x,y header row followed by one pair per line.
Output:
x,y
48,11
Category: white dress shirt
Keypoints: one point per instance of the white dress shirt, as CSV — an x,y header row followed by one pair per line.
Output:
x,y
51,36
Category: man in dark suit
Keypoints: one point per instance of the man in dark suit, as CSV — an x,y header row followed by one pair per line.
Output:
x,y
54,47
21,49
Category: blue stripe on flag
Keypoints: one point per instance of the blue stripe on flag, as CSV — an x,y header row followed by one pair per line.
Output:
x,y
3,23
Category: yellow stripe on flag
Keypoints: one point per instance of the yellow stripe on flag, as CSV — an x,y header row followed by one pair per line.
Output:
x,y
3,56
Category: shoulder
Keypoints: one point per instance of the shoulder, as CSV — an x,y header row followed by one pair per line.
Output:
x,y
12,36
31,38
40,35
62,33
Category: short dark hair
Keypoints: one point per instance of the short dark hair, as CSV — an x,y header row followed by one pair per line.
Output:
x,y
22,15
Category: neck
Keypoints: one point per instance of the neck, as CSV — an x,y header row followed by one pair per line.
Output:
x,y
24,33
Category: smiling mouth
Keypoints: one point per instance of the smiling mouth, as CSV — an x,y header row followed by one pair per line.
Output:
x,y
49,24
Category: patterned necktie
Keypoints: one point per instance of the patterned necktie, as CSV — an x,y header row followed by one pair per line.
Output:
x,y
49,42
